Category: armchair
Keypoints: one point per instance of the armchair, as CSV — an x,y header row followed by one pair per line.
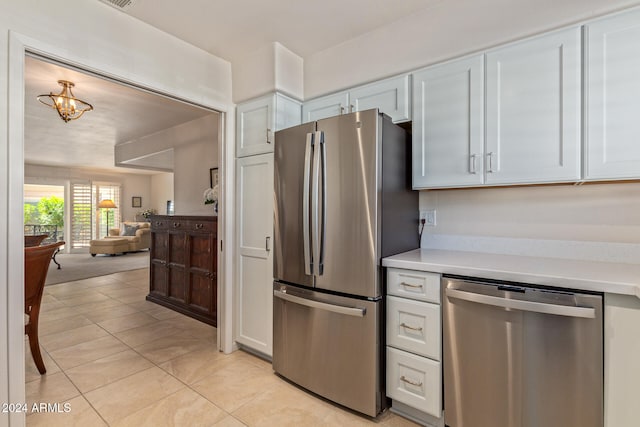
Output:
x,y
138,240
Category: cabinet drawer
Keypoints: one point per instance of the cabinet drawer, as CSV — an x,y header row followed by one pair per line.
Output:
x,y
415,381
208,226
159,224
414,326
414,284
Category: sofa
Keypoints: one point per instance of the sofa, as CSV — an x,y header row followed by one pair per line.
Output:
x,y
138,235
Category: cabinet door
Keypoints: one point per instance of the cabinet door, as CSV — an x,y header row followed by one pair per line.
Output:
x,y
533,110
327,106
612,146
255,124
254,262
158,271
448,131
176,264
202,274
391,96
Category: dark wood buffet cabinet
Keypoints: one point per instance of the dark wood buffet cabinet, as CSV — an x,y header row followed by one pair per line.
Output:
x,y
183,267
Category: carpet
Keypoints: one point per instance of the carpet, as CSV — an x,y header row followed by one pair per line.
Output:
x,y
84,266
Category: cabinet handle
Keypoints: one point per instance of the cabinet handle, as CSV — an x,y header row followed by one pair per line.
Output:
x,y
413,328
409,285
472,164
267,244
351,108
490,159
176,224
269,136
341,109
158,223
408,381
199,226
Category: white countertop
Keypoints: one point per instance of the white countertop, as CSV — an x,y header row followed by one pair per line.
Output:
x,y
608,277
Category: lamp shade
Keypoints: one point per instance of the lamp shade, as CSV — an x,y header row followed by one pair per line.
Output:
x,y
107,203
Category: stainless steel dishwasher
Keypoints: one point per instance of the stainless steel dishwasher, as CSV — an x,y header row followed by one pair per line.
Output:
x,y
521,356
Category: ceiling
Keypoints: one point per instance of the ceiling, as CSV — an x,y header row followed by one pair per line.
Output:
x,y
226,28
231,29
121,113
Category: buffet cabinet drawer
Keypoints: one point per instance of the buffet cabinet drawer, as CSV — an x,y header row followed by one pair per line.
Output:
x,y
204,226
413,284
414,381
414,326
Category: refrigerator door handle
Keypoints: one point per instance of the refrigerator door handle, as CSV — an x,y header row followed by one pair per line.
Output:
x,y
322,208
315,204
340,309
308,264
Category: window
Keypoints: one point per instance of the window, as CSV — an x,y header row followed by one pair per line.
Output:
x,y
81,215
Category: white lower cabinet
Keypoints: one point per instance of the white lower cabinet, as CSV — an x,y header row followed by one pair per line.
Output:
x,y
414,345
414,380
254,261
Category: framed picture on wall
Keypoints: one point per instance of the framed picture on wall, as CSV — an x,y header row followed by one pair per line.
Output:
x,y
136,202
213,177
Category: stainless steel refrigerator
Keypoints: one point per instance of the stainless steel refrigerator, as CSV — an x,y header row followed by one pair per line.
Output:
x,y
343,200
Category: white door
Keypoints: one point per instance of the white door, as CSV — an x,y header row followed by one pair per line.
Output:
x,y
448,124
392,96
254,262
612,140
533,110
255,122
327,106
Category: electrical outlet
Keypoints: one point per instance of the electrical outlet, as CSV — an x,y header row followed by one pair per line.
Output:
x,y
429,217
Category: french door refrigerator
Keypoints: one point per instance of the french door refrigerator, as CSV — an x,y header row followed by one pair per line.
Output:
x,y
342,202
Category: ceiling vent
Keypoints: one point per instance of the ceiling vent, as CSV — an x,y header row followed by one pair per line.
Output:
x,y
119,4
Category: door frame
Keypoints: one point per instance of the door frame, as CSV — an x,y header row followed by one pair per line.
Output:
x,y
19,46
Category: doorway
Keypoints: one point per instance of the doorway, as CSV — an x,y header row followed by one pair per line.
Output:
x,y
219,135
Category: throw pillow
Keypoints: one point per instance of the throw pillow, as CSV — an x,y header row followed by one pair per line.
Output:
x,y
130,230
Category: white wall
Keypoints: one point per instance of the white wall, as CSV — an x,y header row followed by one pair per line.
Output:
x,y
161,191
269,69
191,177
167,139
99,38
134,186
590,212
443,31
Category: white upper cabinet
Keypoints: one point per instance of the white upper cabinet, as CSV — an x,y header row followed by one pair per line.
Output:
x,y
327,106
448,124
392,96
612,139
533,95
258,119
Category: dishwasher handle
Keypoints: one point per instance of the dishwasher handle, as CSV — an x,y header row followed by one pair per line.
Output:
x,y
537,307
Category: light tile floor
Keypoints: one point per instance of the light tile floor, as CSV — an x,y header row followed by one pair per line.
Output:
x,y
119,360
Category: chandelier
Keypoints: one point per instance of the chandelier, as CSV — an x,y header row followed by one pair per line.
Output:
x,y
68,106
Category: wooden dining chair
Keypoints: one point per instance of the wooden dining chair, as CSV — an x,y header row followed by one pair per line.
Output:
x,y
36,266
34,240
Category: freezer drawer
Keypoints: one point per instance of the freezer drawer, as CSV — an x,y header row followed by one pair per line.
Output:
x,y
329,345
415,381
419,285
414,326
